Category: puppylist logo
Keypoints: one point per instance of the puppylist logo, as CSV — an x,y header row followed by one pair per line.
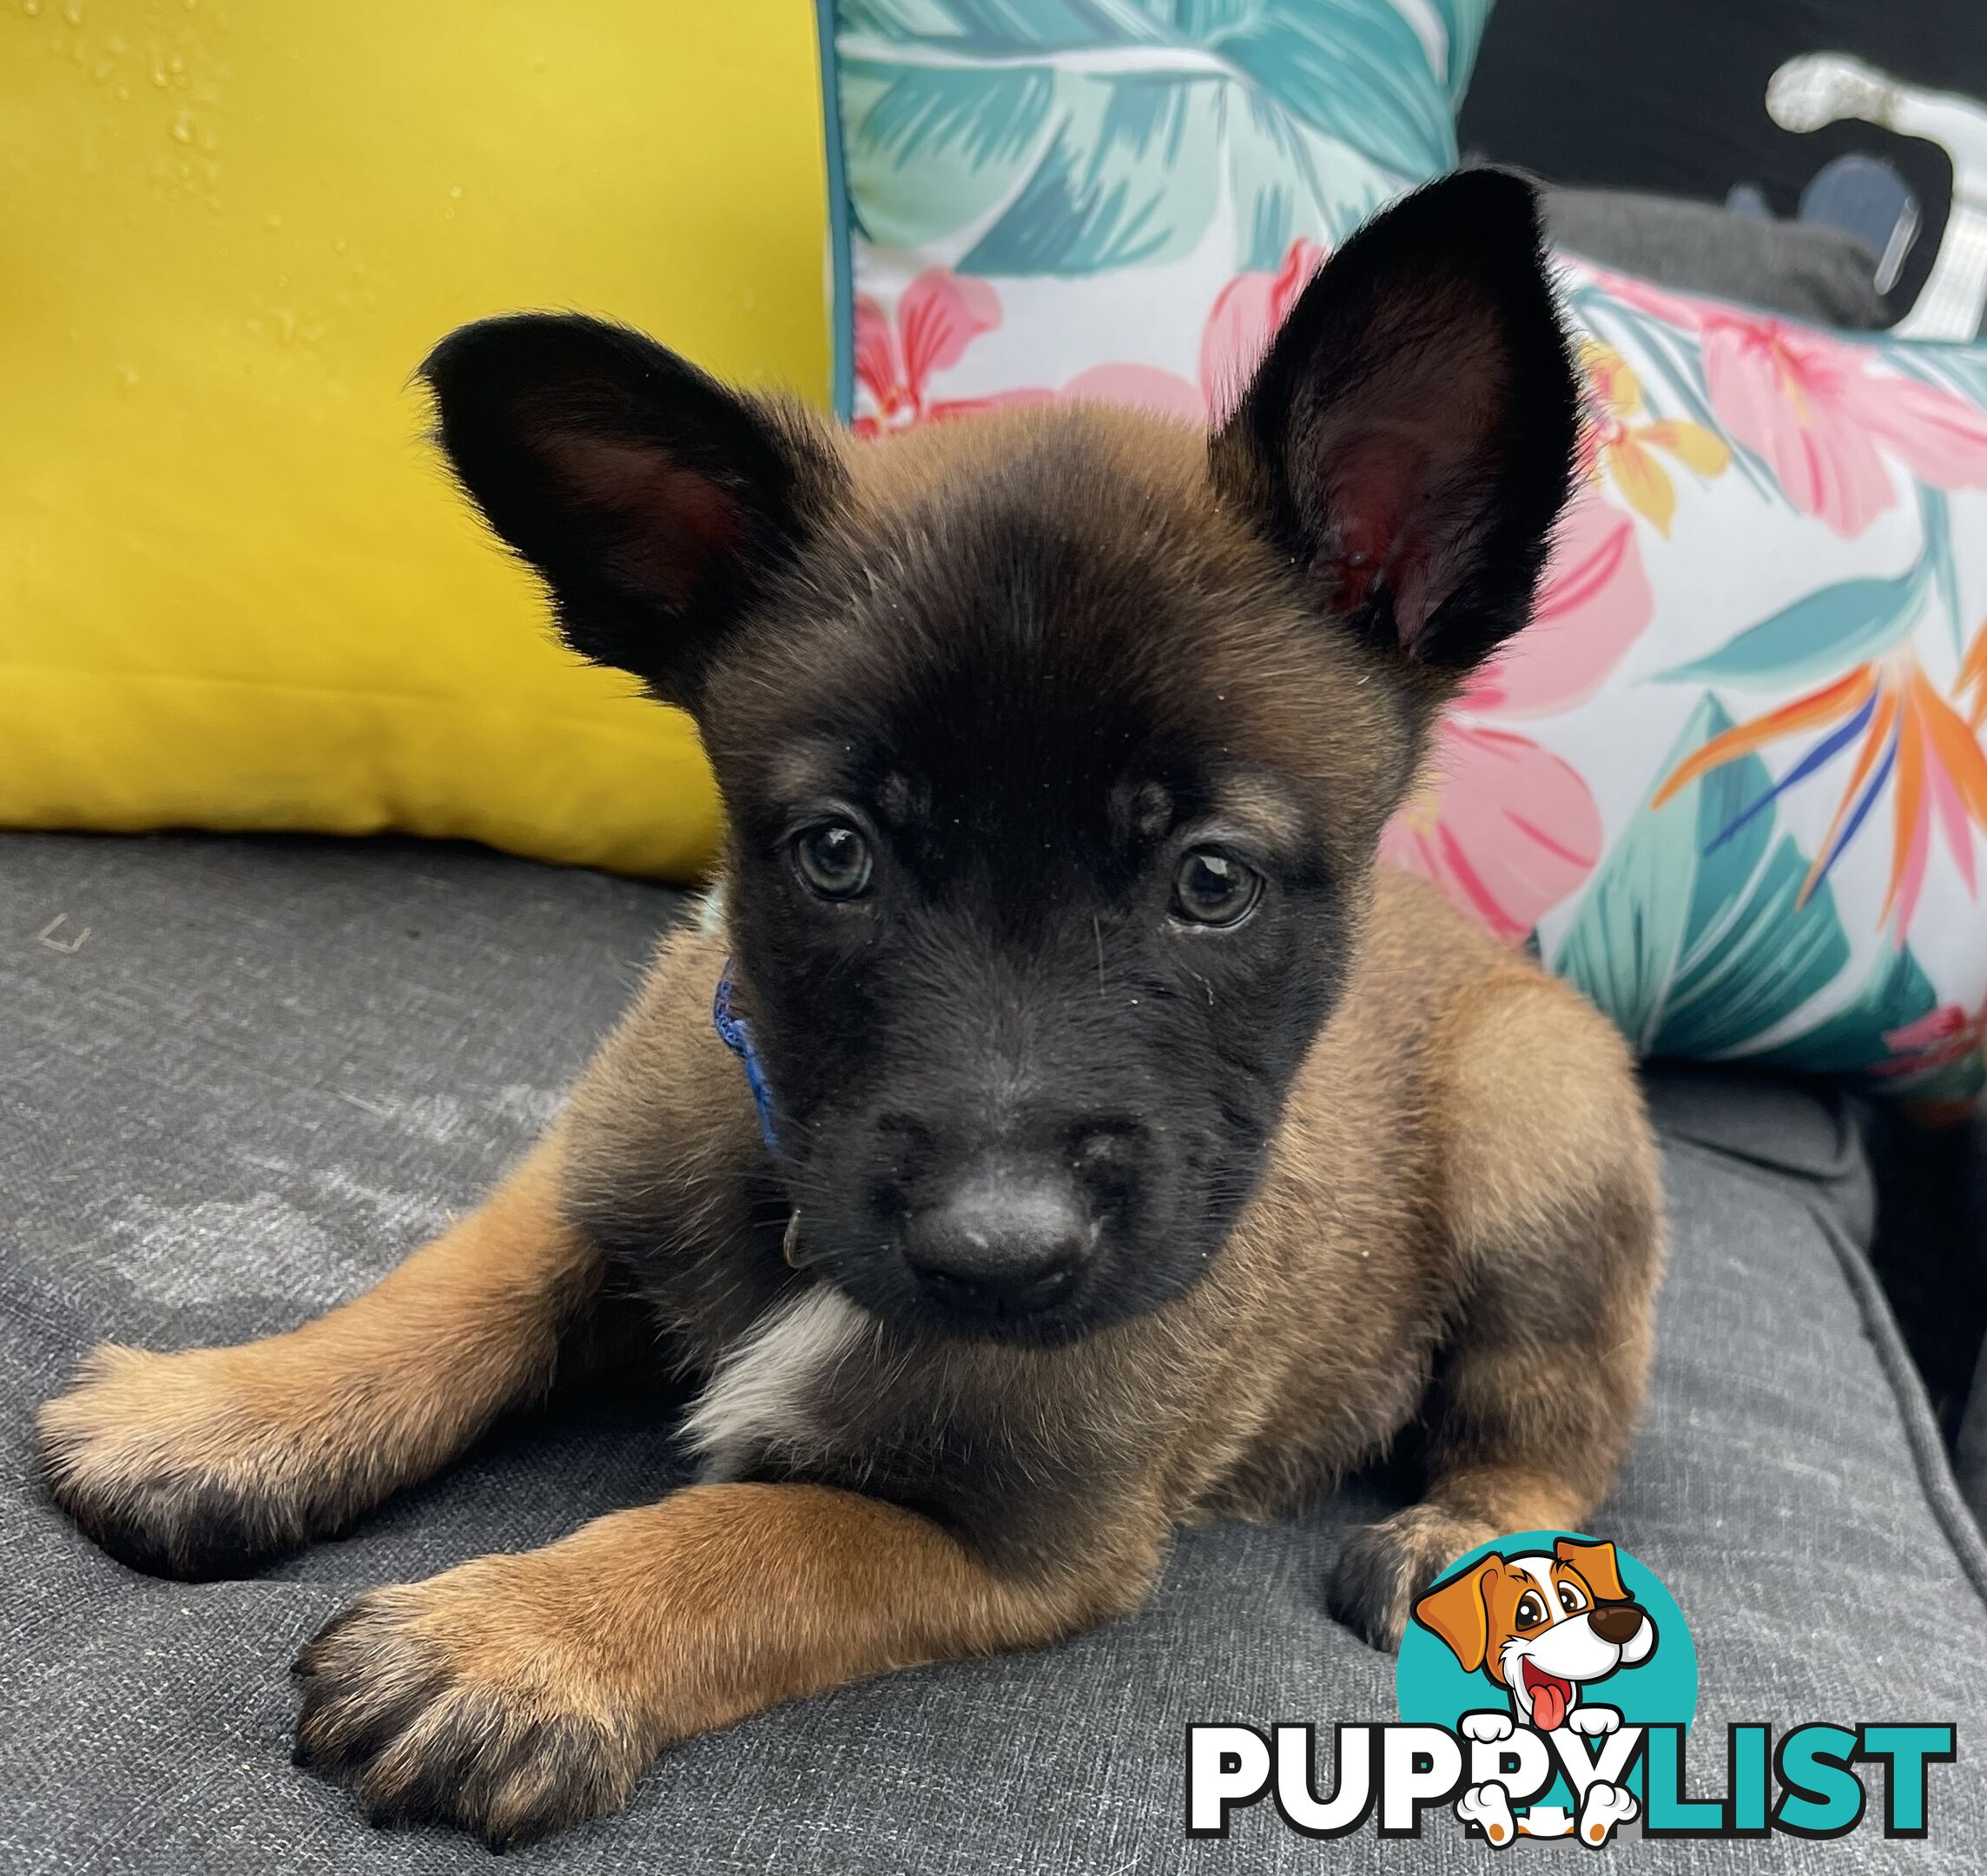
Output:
x,y
1546,1685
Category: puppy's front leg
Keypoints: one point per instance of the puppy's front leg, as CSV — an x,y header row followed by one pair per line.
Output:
x,y
1550,1200
515,1695
201,1463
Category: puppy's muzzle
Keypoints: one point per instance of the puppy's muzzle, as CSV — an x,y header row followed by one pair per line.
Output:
x,y
1003,1243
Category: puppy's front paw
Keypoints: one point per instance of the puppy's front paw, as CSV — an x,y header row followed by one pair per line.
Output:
x,y
171,1465
1384,1566
1488,1807
461,1701
1594,1721
1604,1809
1488,1728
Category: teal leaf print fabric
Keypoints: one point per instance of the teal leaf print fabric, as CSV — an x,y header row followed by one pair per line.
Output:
x,y
1691,934
1070,137
1696,937
1835,625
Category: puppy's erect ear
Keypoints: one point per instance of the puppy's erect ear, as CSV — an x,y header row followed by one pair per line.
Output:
x,y
1459,1611
1409,440
1597,1566
655,502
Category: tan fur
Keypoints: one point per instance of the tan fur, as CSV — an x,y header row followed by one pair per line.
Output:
x,y
576,1664
304,1431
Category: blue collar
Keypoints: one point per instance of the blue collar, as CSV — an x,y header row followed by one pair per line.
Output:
x,y
737,1035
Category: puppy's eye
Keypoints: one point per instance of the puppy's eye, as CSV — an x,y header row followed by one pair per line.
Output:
x,y
1570,1599
833,859
1213,888
1531,1609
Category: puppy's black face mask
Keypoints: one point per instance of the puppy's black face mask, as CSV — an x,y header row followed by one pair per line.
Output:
x,y
1034,927
1054,748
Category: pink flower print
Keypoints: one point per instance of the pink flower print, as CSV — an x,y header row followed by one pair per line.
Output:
x,y
1594,602
1141,386
1247,313
1818,413
939,315
1947,1035
1244,317
1504,828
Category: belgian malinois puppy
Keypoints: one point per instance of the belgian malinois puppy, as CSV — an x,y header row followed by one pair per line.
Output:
x,y
1111,1145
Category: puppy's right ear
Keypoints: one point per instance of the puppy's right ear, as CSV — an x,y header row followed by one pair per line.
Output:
x,y
1598,1563
655,503
1407,440
1459,1611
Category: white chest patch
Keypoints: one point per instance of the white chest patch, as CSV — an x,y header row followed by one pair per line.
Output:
x,y
761,1394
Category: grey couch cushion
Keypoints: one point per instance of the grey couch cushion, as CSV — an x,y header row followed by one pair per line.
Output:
x,y
271,1066
1805,268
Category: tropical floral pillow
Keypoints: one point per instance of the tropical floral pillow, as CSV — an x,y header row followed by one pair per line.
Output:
x,y
1731,782
1013,160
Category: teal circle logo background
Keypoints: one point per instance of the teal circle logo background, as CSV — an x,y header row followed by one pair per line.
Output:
x,y
1433,1690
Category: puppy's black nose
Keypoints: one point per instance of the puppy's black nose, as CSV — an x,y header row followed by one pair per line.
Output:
x,y
1002,1244
1616,1621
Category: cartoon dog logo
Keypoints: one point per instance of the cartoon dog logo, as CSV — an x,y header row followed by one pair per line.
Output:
x,y
1543,1626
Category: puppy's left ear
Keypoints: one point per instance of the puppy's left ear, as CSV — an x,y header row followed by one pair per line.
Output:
x,y
658,503
1459,1611
1407,441
1597,1566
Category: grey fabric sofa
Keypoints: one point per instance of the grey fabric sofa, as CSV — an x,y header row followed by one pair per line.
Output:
x,y
271,1065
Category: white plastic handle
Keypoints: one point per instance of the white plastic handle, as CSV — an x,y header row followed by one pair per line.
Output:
x,y
1822,88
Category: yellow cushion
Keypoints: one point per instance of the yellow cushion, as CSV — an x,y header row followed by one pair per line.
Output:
x,y
236,590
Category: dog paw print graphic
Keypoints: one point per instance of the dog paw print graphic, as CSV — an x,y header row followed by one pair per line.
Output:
x,y
1548,1653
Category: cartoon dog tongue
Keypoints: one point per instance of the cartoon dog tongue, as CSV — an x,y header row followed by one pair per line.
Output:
x,y
1549,1696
